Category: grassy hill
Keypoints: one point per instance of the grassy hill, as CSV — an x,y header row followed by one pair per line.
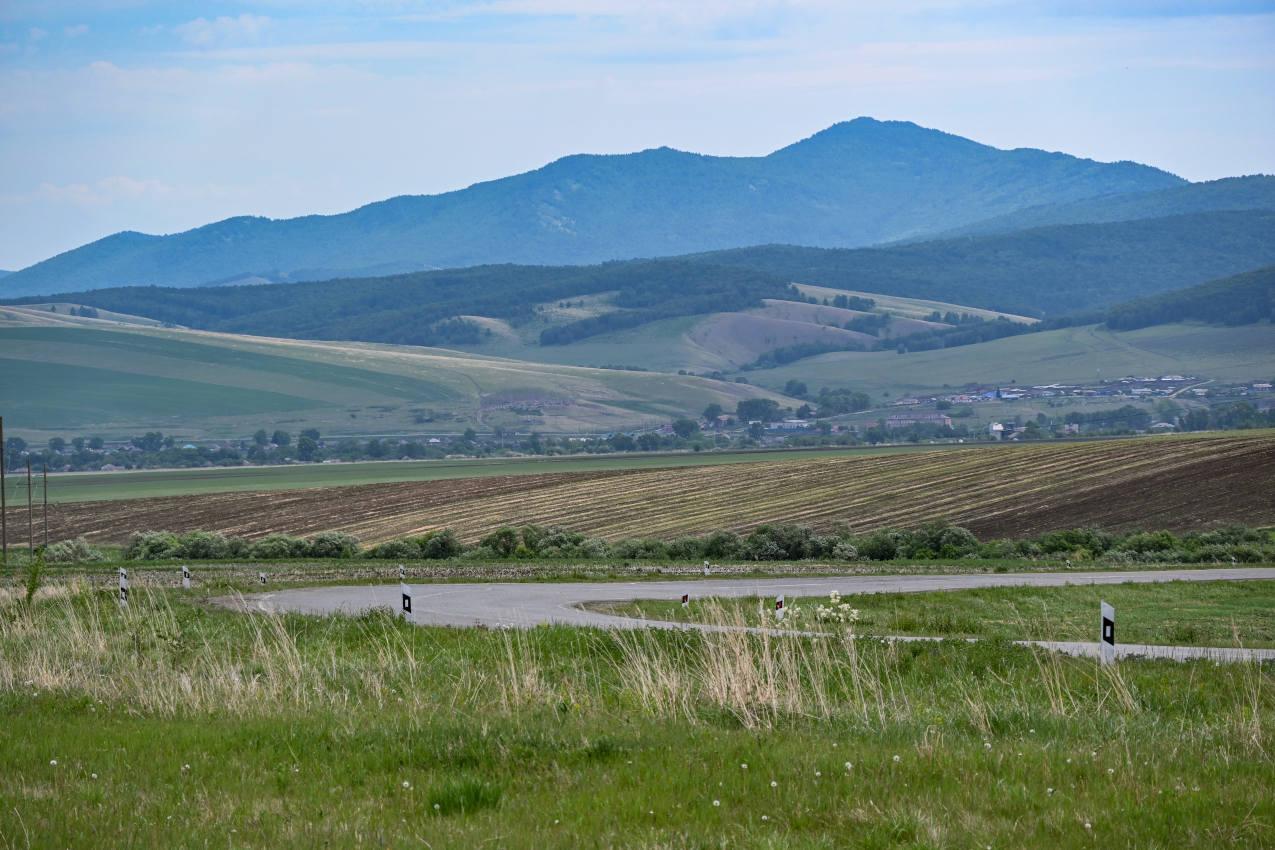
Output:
x,y
1069,355
1237,300
113,382
1046,271
856,183
1255,192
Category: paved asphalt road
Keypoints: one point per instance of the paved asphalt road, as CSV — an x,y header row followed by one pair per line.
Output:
x,y
525,605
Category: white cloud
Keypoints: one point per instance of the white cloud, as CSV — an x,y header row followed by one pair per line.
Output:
x,y
76,31
203,32
105,191
35,33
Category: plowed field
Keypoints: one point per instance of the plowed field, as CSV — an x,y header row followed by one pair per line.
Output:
x,y
1174,483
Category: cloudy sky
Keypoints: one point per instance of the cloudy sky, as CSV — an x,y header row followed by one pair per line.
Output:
x,y
158,117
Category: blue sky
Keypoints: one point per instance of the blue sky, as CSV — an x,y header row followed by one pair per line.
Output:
x,y
158,117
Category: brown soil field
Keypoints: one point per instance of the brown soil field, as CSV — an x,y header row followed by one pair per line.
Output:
x,y
1176,483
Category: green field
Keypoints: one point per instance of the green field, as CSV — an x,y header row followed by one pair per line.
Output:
x,y
115,382
91,486
1070,355
175,724
1176,613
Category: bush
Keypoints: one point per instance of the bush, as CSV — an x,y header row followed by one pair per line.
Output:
x,y
201,545
638,548
883,545
332,544
721,544
277,546
75,551
779,541
440,544
395,550
685,548
502,541
150,545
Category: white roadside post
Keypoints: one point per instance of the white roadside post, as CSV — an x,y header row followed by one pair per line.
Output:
x,y
686,598
706,568
261,577
186,577
407,600
779,607
123,587
1107,646
402,573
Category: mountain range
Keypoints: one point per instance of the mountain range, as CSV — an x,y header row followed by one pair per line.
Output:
x,y
857,183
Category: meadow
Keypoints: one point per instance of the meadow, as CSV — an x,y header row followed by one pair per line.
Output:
x,y
171,723
1069,356
1239,613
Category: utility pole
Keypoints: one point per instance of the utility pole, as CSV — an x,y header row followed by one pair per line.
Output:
x,y
4,506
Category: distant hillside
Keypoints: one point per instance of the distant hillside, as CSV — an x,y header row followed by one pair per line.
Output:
x,y
856,183
1043,272
1256,192
423,308
1242,299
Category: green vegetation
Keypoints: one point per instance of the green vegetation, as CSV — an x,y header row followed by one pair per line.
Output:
x,y
1072,268
1253,192
114,381
1239,613
1239,300
1069,356
173,724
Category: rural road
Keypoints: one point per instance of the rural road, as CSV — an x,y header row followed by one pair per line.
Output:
x,y
526,605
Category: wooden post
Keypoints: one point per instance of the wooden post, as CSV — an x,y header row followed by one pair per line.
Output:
x,y
30,515
4,502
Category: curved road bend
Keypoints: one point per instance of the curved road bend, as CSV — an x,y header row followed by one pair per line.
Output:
x,y
526,605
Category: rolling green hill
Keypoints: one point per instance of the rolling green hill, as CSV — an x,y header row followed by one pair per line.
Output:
x,y
192,384
1254,192
1238,300
1067,356
1047,271
857,183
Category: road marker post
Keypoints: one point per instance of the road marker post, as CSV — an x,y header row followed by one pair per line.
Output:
x,y
402,573
706,569
261,577
1107,644
407,600
123,587
686,598
779,607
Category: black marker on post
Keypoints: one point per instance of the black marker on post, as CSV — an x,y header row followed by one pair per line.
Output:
x,y
123,586
186,577
407,600
261,577
1107,645
779,607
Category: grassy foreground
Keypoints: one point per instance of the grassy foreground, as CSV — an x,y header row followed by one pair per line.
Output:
x,y
1173,613
171,724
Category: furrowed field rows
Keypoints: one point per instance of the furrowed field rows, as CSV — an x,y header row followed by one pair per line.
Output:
x,y
1174,483
993,490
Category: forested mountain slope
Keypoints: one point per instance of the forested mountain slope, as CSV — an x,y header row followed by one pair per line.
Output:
x,y
857,183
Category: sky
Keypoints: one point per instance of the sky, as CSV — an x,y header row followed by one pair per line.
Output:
x,y
159,117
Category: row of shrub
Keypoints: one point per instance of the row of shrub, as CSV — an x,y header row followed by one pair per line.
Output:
x,y
766,542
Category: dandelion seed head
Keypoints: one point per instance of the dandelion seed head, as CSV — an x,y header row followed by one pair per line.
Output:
x,y
93,775
437,807
774,784
896,758
743,767
849,765
1111,770
717,802
765,817
1087,825
53,762
406,784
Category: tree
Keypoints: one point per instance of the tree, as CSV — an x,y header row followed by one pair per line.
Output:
x,y
97,443
761,409
307,448
281,438
795,388
261,437
623,443
805,411
756,430
648,442
312,433
713,411
684,427
151,441
56,444
77,443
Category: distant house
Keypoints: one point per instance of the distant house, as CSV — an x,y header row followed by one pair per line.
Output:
x,y
919,417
